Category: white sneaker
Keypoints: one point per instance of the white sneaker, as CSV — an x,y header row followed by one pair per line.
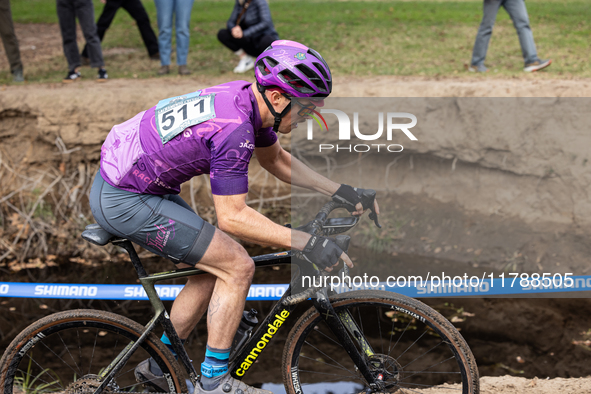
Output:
x,y
245,64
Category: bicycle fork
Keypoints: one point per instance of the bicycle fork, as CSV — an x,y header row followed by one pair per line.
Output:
x,y
344,328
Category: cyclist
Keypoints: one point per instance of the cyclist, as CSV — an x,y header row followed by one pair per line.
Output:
x,y
216,130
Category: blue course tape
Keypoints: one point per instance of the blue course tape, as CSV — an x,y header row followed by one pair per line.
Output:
x,y
484,288
117,292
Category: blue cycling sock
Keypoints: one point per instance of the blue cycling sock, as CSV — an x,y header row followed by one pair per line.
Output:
x,y
214,367
168,344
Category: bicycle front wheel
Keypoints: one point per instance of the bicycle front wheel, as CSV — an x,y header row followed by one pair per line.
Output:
x,y
411,347
67,351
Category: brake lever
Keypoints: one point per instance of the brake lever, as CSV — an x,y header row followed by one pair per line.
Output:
x,y
373,216
368,197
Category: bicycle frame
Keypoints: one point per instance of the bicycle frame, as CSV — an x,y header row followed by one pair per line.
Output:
x,y
341,325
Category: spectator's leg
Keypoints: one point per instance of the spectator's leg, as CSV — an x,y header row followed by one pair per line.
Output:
x,y
104,21
9,38
225,37
262,44
164,16
518,13
183,33
138,12
250,46
85,14
67,19
489,15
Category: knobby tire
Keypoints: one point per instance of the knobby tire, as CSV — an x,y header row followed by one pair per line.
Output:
x,y
415,347
73,346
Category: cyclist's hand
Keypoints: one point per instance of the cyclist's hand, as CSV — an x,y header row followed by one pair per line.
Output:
x,y
324,252
358,200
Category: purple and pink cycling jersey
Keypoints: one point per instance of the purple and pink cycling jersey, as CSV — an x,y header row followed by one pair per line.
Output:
x,y
135,159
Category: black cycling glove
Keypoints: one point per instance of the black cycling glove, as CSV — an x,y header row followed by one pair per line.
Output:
x,y
322,251
353,195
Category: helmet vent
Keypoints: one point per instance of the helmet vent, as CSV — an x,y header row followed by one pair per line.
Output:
x,y
312,76
272,62
319,66
265,65
295,82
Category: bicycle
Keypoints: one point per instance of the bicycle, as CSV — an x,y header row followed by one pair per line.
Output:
x,y
366,341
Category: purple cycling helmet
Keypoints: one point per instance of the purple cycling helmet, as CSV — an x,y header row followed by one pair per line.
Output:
x,y
296,69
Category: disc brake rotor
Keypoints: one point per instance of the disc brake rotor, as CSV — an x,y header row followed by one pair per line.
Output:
x,y
387,368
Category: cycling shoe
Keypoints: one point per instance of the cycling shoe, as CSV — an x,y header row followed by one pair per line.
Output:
x,y
155,381
229,385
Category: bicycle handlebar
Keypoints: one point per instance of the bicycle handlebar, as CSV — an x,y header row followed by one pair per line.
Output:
x,y
316,226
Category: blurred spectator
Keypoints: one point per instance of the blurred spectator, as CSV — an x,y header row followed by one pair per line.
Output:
x,y
10,42
67,12
250,31
137,11
165,10
518,13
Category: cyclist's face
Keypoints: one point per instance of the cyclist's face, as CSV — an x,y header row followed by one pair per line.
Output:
x,y
301,110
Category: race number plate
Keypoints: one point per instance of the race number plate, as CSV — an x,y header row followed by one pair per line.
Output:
x,y
175,114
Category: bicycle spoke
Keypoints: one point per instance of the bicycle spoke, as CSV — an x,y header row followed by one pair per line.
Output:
x,y
98,336
424,371
79,347
320,332
327,373
430,385
400,337
68,350
321,352
37,377
433,372
324,363
415,347
380,330
56,355
93,348
411,345
427,352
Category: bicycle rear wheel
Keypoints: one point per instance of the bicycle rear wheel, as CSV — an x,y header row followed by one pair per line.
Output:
x,y
67,351
414,348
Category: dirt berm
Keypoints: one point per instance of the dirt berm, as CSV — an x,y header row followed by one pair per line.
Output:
x,y
502,186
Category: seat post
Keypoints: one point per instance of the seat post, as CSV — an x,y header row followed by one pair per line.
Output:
x,y
135,260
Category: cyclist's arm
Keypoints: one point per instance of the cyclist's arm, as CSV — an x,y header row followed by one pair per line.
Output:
x,y
287,168
238,219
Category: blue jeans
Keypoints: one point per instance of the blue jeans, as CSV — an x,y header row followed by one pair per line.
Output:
x,y
518,13
165,10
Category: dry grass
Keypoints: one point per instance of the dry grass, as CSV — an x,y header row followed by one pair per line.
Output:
x,y
39,211
43,212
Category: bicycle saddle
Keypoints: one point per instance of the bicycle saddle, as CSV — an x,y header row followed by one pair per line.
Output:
x,y
97,235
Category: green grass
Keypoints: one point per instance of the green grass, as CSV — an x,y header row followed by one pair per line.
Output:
x,y
426,38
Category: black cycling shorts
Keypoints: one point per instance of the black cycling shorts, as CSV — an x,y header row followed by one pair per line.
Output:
x,y
165,225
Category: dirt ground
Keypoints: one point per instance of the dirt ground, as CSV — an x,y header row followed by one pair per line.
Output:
x,y
56,98
513,385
